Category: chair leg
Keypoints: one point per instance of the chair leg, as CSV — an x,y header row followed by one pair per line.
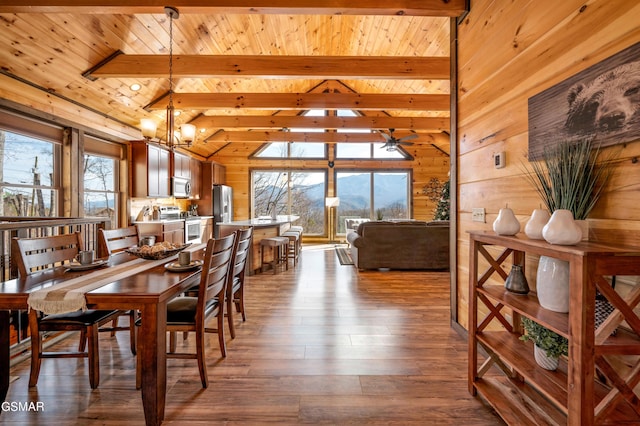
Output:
x,y
240,303
36,349
232,328
94,356
202,366
114,325
82,344
172,341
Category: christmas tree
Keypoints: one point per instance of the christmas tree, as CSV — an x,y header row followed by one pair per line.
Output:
x,y
442,209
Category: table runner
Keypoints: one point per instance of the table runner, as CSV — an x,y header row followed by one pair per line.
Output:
x,y
69,295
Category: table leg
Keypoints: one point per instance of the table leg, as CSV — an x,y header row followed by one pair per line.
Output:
x,y
152,339
4,354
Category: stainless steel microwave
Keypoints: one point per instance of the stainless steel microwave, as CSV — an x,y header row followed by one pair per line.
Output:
x,y
181,187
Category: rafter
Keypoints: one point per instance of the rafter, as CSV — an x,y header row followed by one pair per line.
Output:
x,y
258,66
302,101
261,136
452,8
425,124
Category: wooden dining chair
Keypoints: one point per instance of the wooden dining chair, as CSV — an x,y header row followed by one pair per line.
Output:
x,y
190,314
235,285
37,254
111,241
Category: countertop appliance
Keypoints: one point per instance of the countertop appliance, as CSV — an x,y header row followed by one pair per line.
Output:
x,y
222,206
180,187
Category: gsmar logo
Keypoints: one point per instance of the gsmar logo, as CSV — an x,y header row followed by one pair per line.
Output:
x,y
22,406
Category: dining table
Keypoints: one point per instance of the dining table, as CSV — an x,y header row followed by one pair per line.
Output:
x,y
129,283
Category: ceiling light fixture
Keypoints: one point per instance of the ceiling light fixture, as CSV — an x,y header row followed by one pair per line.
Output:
x,y
187,132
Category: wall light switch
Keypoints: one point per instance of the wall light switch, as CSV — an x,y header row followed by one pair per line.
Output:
x,y
477,214
499,160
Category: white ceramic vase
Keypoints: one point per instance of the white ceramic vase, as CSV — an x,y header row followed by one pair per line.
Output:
x,y
506,223
562,229
552,284
533,228
543,360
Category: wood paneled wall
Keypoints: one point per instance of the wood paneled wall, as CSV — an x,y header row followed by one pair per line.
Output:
x,y
507,52
428,163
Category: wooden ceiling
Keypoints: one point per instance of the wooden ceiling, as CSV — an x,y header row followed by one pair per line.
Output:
x,y
243,71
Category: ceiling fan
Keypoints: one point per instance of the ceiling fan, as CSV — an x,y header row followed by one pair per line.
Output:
x,y
392,143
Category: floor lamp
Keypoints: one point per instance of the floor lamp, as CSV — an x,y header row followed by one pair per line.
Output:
x,y
331,203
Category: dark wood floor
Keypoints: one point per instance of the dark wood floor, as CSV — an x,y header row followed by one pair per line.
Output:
x,y
323,343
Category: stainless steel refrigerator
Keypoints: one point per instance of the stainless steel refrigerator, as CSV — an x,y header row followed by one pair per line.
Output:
x,y
222,205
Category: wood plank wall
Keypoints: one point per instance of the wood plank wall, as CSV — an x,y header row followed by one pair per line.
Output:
x,y
428,163
508,52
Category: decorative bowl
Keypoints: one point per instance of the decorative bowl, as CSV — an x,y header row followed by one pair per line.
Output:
x,y
158,254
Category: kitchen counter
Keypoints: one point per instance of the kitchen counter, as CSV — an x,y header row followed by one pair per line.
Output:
x,y
262,228
261,222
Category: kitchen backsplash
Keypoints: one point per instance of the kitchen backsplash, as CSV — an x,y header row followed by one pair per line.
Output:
x,y
138,204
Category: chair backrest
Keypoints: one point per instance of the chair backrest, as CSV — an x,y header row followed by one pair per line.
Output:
x,y
35,254
215,272
243,247
115,240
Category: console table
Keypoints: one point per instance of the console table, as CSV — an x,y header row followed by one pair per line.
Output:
x,y
524,393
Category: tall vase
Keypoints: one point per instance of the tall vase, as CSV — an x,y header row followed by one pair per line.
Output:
x,y
552,284
562,229
533,228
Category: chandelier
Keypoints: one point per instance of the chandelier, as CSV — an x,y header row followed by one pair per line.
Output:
x,y
187,132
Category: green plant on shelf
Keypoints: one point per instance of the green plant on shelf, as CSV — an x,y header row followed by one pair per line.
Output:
x,y
551,342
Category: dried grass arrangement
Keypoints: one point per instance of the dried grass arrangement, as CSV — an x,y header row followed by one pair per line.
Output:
x,y
572,176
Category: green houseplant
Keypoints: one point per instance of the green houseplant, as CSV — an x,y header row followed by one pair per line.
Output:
x,y
546,340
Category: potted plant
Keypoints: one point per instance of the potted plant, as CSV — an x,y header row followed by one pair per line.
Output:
x,y
548,345
570,178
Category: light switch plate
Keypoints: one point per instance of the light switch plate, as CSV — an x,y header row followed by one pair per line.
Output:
x,y
499,160
477,214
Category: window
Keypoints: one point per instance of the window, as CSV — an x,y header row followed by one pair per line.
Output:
x,y
296,192
28,176
100,195
296,149
373,195
349,150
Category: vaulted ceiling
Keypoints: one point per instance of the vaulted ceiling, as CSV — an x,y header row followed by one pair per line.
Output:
x,y
242,73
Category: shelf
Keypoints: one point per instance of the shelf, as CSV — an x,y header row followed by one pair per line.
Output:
x,y
528,306
527,393
517,403
519,355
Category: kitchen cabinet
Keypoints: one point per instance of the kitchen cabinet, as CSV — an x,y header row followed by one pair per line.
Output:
x,y
149,170
181,165
573,394
173,232
196,177
212,174
206,229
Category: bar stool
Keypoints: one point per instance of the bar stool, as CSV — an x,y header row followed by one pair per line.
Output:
x,y
299,230
294,245
279,248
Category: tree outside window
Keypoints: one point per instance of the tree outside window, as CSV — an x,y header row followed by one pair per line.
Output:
x,y
100,188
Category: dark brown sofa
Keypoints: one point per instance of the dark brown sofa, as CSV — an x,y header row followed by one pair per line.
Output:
x,y
401,245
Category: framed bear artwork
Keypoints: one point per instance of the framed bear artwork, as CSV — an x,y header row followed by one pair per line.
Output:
x,y
601,103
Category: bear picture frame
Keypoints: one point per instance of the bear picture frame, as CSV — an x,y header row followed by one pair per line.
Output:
x,y
601,103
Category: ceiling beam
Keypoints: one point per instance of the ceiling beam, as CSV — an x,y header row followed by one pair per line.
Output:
x,y
425,124
304,101
451,8
261,136
245,66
